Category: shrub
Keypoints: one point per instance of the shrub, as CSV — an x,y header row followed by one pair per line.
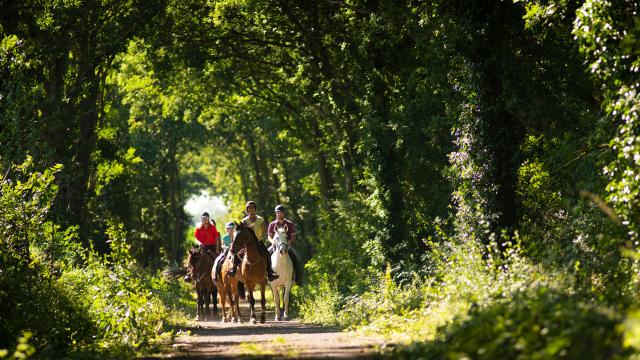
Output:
x,y
542,323
68,301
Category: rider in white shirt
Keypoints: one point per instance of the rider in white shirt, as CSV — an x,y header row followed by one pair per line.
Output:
x,y
259,227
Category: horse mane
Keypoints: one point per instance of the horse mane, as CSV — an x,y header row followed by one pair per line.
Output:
x,y
199,253
242,227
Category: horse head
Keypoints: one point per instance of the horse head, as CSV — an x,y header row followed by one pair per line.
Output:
x,y
243,236
193,258
199,260
280,240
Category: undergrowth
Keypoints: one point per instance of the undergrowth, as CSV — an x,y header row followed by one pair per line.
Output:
x,y
60,300
479,303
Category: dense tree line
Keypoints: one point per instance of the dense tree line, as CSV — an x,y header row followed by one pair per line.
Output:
x,y
385,127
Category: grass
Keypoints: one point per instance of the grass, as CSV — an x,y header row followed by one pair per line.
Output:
x,y
254,349
277,346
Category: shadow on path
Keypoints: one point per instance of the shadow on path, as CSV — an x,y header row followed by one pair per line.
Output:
x,y
271,340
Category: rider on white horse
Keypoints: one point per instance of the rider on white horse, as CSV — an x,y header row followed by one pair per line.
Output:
x,y
282,222
283,265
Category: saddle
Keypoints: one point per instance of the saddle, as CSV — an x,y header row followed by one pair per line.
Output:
x,y
217,265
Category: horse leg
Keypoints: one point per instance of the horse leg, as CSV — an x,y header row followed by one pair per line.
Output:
x,y
235,302
207,301
232,316
223,302
287,290
214,297
232,309
262,303
276,301
252,304
227,299
199,303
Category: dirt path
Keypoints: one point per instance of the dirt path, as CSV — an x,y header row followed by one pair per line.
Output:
x,y
290,339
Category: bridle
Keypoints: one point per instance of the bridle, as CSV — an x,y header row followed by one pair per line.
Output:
x,y
281,245
201,252
236,246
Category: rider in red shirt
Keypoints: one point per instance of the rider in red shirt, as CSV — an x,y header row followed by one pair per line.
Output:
x,y
208,237
206,233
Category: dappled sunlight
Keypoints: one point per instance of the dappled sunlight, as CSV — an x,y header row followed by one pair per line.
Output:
x,y
458,179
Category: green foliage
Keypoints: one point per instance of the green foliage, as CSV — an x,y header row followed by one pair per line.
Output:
x,y
94,305
24,349
538,324
454,177
318,303
125,304
25,198
608,35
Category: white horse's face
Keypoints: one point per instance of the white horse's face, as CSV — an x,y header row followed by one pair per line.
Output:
x,y
280,241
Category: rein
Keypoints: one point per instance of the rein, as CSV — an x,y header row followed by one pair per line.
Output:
x,y
253,241
199,275
199,278
246,256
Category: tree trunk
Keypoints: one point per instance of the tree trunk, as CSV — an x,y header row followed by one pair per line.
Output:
x,y
255,163
388,173
87,113
177,213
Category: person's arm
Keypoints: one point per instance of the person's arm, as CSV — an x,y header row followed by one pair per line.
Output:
x,y
197,235
218,240
271,232
292,238
264,227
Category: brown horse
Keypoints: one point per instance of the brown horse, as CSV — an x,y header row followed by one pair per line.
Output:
x,y
201,263
230,289
252,272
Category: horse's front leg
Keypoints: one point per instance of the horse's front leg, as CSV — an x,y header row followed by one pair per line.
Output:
x,y
276,301
252,305
232,309
223,303
207,302
236,300
263,303
214,298
198,303
287,290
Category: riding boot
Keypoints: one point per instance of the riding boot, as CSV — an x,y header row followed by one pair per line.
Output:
x,y
187,277
270,274
236,262
217,264
294,262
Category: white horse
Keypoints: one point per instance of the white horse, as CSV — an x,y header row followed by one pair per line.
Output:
x,y
281,264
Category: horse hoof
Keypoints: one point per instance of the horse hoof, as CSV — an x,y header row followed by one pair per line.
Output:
x,y
286,318
262,320
253,320
276,319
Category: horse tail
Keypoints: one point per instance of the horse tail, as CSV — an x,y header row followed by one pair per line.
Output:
x,y
174,273
241,290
